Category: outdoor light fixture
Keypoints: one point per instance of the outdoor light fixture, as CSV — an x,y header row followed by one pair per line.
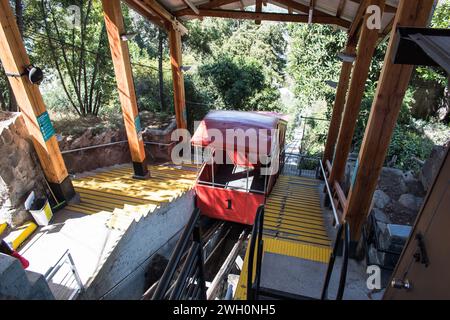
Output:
x,y
34,74
332,84
347,57
185,68
128,36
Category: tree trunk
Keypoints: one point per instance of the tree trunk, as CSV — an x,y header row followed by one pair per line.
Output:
x,y
160,69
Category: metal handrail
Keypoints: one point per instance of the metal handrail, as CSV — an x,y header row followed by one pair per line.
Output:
x,y
192,266
336,218
256,237
66,258
344,228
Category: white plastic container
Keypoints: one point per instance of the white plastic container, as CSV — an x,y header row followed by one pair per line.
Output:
x,y
40,209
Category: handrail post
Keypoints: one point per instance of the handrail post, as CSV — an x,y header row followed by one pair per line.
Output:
x,y
198,239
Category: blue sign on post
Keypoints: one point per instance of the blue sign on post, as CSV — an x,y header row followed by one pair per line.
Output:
x,y
137,124
46,126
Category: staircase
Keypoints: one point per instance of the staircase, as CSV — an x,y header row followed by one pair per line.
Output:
x,y
296,246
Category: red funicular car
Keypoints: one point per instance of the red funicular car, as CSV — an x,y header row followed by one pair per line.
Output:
x,y
246,151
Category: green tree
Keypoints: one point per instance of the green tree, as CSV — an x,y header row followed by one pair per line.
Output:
x,y
69,38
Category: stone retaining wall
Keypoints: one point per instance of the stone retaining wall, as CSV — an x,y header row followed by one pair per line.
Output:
x,y
20,171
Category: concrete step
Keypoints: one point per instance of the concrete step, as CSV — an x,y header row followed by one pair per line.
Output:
x,y
14,283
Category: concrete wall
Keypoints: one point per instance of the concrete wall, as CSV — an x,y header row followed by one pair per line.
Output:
x,y
19,284
123,274
20,172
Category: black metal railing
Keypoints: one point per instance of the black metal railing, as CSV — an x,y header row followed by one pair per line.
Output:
x,y
342,239
256,242
254,289
183,278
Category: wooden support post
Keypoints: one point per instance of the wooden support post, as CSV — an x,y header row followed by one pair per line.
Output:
x,y
366,48
121,59
177,77
339,103
386,106
15,60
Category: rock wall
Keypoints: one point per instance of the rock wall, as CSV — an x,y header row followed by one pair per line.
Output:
x,y
91,159
20,172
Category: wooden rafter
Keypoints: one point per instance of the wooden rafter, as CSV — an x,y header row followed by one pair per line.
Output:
x,y
159,11
258,9
209,5
293,5
145,12
340,8
247,15
191,6
356,24
312,4
388,8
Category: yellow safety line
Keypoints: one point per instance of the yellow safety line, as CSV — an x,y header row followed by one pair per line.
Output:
x,y
286,248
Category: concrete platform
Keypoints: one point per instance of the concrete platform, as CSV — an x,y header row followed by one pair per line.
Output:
x,y
113,233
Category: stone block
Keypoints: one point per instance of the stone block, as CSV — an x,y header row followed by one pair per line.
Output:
x,y
39,287
380,199
13,280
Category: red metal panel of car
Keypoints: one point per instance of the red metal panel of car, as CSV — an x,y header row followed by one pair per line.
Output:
x,y
228,205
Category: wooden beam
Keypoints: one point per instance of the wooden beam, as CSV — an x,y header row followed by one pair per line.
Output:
x,y
191,6
122,67
387,8
177,78
29,99
247,15
258,9
366,48
312,4
160,11
290,4
356,24
386,107
340,8
293,4
209,5
145,12
339,103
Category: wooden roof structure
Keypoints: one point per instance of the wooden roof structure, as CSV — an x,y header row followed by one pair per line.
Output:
x,y
351,15
346,14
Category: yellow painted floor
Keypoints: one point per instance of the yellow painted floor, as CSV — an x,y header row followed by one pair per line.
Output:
x,y
293,224
117,192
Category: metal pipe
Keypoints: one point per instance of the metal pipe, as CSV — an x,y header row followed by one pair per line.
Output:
x,y
93,147
111,144
336,219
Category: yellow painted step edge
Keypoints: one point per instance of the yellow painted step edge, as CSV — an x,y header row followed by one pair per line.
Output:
x,y
28,229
